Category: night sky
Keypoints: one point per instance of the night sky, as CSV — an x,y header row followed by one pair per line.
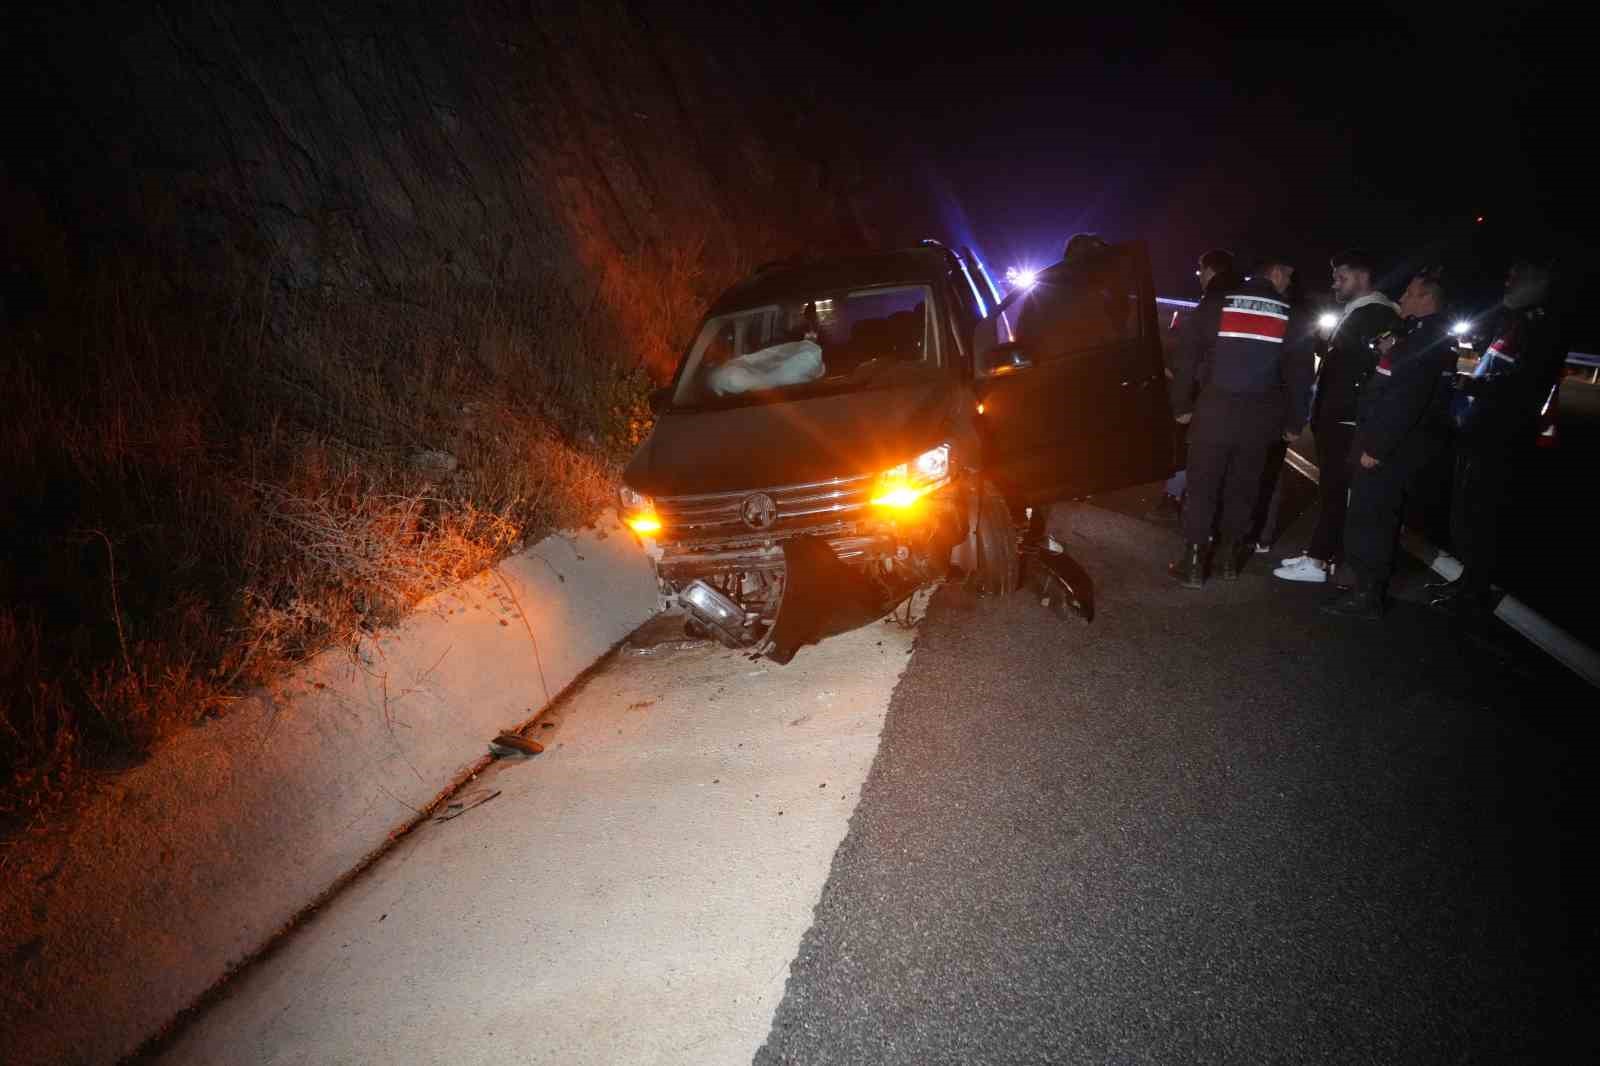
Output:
x,y
1282,131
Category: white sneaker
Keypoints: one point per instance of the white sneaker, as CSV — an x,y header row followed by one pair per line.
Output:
x,y
1303,568
1262,549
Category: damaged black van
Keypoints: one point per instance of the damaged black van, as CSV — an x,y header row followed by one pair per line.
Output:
x,y
842,432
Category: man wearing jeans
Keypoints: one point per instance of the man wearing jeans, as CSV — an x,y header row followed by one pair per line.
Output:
x,y
1348,362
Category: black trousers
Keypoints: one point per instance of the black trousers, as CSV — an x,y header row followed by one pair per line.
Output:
x,y
1483,474
1264,524
1224,479
1334,440
1372,523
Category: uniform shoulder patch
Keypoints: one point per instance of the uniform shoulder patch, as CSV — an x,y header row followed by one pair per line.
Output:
x,y
1254,318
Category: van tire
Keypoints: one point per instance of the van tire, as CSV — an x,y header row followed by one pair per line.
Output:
x,y
999,571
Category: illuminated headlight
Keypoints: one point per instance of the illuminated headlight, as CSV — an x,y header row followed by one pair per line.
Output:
x,y
1327,322
639,512
901,487
933,464
1460,328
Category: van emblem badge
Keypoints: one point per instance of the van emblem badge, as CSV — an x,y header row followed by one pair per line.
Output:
x,y
758,511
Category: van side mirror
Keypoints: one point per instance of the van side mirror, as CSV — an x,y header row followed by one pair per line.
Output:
x,y
660,399
1003,359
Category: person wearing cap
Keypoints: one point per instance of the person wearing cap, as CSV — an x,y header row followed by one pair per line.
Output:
x,y
1496,415
1242,372
1402,422
1215,271
1348,360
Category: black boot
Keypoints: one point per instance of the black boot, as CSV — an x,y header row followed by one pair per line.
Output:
x,y
1363,601
1442,587
1464,593
1234,554
1190,570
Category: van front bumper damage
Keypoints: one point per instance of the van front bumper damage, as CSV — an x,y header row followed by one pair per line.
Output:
x,y
771,595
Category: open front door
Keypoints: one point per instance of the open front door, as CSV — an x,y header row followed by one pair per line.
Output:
x,y
1072,383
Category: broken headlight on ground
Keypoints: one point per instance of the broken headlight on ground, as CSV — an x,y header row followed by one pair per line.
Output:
x,y
717,613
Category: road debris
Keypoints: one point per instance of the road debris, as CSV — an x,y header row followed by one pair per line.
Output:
x,y
462,803
509,743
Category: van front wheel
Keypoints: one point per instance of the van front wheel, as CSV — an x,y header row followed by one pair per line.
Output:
x,y
999,570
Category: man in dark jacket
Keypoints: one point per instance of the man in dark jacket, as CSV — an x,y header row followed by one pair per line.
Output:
x,y
1215,271
1508,389
1401,422
1240,377
1348,360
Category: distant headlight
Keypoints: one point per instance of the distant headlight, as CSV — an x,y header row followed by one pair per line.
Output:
x,y
1327,322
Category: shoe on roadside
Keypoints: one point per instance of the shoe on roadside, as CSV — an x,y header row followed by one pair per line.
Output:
x,y
1303,568
1189,569
1263,548
1440,587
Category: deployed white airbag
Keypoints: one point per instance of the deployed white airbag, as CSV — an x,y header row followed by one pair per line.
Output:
x,y
790,363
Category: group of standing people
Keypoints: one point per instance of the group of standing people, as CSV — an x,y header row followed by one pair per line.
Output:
x,y
1252,370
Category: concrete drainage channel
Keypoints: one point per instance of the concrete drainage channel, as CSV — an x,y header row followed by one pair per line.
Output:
x,y
1546,635
178,871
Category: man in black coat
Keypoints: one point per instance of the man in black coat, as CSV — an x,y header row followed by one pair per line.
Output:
x,y
1240,379
1215,271
1348,360
1507,391
1401,424
1071,304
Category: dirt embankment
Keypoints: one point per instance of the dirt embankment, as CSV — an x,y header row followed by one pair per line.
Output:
x,y
312,309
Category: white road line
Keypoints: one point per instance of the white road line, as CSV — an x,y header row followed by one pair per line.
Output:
x,y
1554,641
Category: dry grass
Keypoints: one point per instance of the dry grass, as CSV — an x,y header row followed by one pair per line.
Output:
x,y
202,496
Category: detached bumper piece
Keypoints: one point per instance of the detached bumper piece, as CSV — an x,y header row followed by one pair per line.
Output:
x,y
1059,581
822,596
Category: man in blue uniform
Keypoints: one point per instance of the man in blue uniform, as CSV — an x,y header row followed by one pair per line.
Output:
x,y
1400,426
1240,379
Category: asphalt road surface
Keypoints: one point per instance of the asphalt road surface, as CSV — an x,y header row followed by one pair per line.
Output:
x,y
1211,827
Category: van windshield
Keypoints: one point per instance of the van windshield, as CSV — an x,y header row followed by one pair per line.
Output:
x,y
833,341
